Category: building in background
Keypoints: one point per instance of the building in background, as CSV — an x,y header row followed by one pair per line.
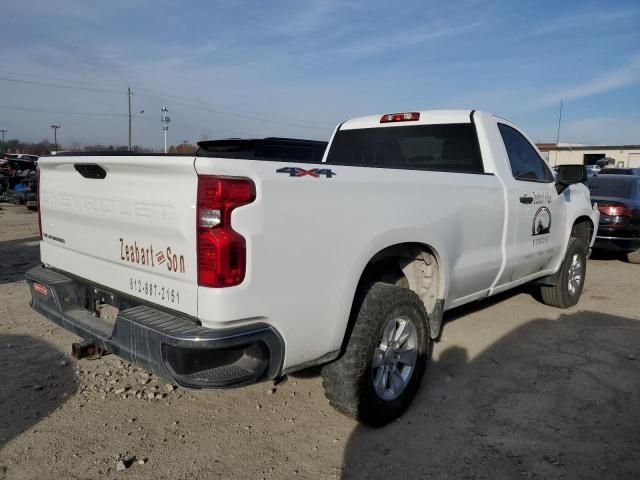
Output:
x,y
566,153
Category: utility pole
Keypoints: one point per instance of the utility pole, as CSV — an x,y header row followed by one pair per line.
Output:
x,y
3,132
558,136
55,136
129,95
165,119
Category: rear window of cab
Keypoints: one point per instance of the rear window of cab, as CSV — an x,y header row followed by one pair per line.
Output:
x,y
443,148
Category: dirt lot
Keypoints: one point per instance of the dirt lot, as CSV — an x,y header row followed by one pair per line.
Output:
x,y
514,389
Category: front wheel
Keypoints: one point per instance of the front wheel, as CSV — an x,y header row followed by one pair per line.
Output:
x,y
570,279
382,366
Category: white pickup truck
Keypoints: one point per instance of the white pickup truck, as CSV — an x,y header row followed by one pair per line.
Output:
x,y
257,258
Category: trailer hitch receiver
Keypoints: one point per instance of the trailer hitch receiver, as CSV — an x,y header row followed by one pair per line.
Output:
x,y
86,349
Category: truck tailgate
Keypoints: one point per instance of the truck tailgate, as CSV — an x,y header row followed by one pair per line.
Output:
x,y
132,231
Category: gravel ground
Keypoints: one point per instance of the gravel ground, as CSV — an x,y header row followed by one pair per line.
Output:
x,y
515,389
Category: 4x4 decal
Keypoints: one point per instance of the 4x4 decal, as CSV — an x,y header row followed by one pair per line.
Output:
x,y
301,172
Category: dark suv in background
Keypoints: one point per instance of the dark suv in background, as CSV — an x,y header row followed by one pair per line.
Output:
x,y
618,199
619,171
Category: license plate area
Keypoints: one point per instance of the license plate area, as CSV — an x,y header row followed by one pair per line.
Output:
x,y
104,305
107,313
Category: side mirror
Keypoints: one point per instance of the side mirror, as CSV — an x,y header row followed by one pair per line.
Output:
x,y
570,174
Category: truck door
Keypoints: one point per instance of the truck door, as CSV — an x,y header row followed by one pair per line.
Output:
x,y
539,219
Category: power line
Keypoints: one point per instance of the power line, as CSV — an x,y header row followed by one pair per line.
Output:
x,y
62,112
68,87
203,128
222,109
48,77
180,101
240,115
195,104
198,127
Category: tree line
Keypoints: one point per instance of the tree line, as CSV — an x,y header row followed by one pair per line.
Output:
x,y
45,147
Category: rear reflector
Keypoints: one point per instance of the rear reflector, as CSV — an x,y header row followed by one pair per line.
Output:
x,y
209,218
400,117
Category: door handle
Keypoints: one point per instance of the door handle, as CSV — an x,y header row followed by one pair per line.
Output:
x,y
526,199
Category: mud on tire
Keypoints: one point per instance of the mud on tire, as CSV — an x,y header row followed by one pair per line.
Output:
x,y
565,294
349,381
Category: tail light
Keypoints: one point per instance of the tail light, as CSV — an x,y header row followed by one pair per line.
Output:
x,y
614,209
400,117
222,252
38,202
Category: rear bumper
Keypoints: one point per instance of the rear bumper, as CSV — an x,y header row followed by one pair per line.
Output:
x,y
618,244
174,347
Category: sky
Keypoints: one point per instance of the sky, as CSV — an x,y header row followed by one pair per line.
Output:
x,y
250,68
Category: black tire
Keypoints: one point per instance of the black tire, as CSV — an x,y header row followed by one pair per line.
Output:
x,y
560,295
348,381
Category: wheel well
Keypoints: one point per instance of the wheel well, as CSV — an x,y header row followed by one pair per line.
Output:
x,y
582,229
410,265
414,266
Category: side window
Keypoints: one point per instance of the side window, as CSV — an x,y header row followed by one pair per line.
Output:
x,y
525,162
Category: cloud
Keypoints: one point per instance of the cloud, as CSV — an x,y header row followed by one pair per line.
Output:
x,y
310,17
624,76
400,39
600,130
586,19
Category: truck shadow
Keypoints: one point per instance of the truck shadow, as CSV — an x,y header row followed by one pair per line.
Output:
x,y
600,254
34,381
449,316
554,398
16,257
472,307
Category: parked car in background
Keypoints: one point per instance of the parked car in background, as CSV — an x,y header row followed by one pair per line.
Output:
x,y
17,167
20,156
593,170
30,194
618,199
620,171
18,180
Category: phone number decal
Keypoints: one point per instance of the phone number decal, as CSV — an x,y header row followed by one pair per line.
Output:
x,y
155,291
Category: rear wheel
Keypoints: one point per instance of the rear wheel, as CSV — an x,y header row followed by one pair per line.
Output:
x,y
382,366
570,280
633,257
